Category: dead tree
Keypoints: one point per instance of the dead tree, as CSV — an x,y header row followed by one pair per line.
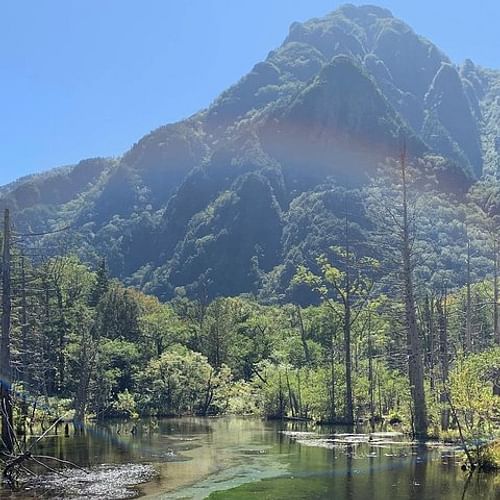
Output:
x,y
5,361
441,309
415,365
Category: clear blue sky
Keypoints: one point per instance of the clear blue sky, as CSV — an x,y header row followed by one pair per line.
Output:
x,y
84,78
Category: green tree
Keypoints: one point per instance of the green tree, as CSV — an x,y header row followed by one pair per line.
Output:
x,y
346,292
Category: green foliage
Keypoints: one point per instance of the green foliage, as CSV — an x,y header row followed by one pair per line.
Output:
x,y
180,382
119,314
471,392
129,354
125,405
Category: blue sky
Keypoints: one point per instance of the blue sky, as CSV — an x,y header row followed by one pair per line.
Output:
x,y
85,78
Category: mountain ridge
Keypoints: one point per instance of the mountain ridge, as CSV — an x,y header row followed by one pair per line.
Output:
x,y
329,104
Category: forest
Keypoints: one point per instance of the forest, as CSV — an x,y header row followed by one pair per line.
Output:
x,y
380,333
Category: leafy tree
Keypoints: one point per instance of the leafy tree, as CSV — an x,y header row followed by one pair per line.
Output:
x,y
180,382
346,292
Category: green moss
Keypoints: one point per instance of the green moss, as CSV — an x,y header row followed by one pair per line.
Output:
x,y
272,489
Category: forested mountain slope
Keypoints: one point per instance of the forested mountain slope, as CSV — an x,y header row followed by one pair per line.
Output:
x,y
234,198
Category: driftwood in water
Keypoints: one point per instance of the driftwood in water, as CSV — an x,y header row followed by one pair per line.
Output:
x,y
16,464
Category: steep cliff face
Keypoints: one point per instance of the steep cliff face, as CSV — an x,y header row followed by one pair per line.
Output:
x,y
239,234
450,125
339,125
211,201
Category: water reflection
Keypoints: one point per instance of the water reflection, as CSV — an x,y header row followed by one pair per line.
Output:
x,y
248,458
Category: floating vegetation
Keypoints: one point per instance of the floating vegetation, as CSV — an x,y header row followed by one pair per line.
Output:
x,y
343,440
105,482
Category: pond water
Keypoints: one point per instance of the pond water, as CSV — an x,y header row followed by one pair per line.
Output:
x,y
240,458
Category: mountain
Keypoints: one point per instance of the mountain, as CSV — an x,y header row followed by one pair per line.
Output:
x,y
215,204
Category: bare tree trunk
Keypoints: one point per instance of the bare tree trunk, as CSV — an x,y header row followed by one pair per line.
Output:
x,y
87,365
81,399
347,332
348,365
290,395
48,384
429,319
415,364
333,409
443,356
61,361
468,305
209,395
281,398
370,369
300,409
303,336
5,362
379,393
496,325
25,372
24,326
